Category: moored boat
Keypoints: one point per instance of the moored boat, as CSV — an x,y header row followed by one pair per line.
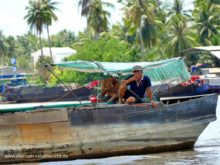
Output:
x,y
72,130
45,132
33,93
199,86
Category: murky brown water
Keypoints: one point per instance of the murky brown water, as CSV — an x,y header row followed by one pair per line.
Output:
x,y
206,152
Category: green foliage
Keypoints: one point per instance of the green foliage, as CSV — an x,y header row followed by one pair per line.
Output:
x,y
43,74
64,38
68,77
19,47
206,21
107,48
180,37
141,18
96,15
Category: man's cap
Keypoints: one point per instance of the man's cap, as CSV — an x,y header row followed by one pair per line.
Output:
x,y
137,67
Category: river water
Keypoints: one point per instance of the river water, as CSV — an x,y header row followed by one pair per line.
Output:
x,y
206,152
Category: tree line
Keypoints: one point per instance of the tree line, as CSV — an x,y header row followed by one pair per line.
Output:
x,y
21,47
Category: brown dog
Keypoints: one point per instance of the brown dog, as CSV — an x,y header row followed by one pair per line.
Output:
x,y
110,88
121,92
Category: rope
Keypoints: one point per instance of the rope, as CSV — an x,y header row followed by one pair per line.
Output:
x,y
99,87
46,66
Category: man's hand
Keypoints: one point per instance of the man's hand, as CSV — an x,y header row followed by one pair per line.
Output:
x,y
133,78
154,105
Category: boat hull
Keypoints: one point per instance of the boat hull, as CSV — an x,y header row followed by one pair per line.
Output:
x,y
188,90
30,94
100,131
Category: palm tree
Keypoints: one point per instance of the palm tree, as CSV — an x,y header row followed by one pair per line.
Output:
x,y
2,47
63,38
85,6
178,9
207,3
206,18
96,15
49,7
179,34
141,19
36,18
9,46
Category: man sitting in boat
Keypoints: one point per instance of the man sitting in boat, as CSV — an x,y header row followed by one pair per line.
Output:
x,y
137,84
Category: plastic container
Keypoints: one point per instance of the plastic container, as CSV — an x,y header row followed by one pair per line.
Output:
x,y
93,99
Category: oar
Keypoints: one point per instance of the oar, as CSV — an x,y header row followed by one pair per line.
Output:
x,y
46,66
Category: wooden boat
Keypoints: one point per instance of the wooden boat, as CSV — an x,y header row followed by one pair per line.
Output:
x,y
33,93
67,130
199,87
178,99
11,81
165,90
72,130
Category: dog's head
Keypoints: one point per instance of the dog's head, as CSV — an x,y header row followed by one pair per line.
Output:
x,y
110,84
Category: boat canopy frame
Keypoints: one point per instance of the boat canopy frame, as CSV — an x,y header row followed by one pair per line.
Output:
x,y
158,71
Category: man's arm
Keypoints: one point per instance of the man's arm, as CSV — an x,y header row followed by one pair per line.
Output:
x,y
126,82
150,96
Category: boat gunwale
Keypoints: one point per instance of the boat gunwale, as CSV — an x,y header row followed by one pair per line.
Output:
x,y
106,106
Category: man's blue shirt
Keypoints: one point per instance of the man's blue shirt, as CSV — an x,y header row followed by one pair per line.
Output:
x,y
139,88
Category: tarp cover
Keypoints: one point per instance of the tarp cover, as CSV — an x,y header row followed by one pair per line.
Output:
x,y
174,68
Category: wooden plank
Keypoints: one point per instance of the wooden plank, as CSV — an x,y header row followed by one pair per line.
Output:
x,y
10,135
35,134
34,117
184,97
58,132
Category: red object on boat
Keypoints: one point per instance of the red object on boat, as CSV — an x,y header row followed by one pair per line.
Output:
x,y
195,77
93,99
186,83
92,84
192,80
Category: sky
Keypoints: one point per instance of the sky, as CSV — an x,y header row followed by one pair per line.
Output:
x,y
12,14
